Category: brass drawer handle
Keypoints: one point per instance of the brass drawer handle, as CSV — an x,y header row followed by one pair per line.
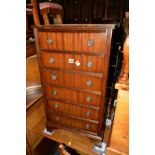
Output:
x,y
57,118
88,99
87,126
54,92
88,113
89,83
56,106
51,60
53,77
89,64
90,42
49,41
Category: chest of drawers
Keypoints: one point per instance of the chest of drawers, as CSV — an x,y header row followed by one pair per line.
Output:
x,y
73,62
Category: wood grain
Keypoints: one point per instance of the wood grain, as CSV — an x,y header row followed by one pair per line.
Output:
x,y
67,83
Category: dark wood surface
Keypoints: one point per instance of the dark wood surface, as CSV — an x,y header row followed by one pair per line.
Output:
x,y
64,85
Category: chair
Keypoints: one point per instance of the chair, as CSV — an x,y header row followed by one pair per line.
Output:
x,y
44,9
34,9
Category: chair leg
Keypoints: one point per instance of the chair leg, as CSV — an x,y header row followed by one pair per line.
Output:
x,y
59,19
46,19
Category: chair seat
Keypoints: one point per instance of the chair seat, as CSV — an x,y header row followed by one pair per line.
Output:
x,y
49,5
45,5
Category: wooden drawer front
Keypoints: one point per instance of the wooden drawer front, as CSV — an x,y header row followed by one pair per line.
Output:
x,y
50,40
73,80
74,110
72,123
82,42
85,42
73,96
80,62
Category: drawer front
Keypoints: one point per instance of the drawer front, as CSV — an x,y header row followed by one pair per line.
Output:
x,y
73,62
85,42
82,42
73,96
73,110
72,123
50,40
73,80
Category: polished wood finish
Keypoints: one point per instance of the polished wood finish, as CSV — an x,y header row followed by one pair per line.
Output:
x,y
63,61
32,70
66,80
34,113
119,143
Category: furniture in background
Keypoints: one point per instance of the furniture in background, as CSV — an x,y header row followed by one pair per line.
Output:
x,y
35,10
92,11
119,142
35,111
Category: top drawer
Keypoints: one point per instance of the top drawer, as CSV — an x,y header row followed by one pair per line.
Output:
x,y
69,41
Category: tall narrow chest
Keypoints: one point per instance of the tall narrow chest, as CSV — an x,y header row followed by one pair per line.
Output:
x,y
73,62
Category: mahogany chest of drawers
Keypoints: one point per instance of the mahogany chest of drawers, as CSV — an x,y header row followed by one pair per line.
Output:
x,y
73,62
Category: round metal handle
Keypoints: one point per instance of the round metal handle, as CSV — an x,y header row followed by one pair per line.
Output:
x,y
90,42
87,126
89,83
57,118
89,64
56,106
88,113
88,99
54,92
53,77
49,41
51,60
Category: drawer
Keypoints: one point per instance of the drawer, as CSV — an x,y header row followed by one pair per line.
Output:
x,y
72,80
73,62
72,123
85,42
50,40
75,110
73,41
73,96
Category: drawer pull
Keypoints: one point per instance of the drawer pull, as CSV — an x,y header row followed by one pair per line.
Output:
x,y
56,106
89,83
57,118
88,113
53,77
90,43
88,99
89,64
87,126
54,92
49,41
51,60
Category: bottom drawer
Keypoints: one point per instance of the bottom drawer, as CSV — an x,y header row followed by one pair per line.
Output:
x,y
57,120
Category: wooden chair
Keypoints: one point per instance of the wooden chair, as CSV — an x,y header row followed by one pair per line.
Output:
x,y
34,9
44,9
